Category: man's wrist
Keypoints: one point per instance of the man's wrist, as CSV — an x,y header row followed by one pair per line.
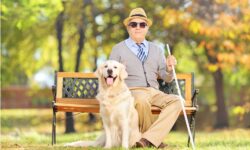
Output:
x,y
170,70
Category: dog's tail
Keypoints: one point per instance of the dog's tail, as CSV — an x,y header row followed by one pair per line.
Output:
x,y
99,142
81,144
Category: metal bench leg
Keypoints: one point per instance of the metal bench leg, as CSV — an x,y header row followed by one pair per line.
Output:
x,y
54,128
192,128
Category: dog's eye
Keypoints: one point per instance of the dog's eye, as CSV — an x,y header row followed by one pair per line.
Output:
x,y
106,66
115,67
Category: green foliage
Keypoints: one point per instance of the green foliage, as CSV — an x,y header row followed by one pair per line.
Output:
x,y
27,28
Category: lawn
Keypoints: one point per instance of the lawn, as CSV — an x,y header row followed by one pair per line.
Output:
x,y
31,129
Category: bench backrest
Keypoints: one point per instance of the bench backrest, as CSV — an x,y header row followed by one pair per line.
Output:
x,y
81,88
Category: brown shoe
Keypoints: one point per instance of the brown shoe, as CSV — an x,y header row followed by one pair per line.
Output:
x,y
144,143
162,145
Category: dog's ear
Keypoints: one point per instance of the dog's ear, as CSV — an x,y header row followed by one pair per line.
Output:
x,y
123,72
124,63
98,71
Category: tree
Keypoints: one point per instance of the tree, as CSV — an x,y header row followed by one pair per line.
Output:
x,y
25,30
222,31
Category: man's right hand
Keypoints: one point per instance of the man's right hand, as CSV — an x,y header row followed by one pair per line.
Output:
x,y
171,62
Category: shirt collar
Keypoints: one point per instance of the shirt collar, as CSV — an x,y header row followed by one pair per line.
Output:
x,y
133,43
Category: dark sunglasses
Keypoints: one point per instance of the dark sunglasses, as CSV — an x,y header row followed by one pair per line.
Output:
x,y
134,24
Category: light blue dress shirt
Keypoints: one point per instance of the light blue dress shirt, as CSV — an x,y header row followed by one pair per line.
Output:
x,y
134,47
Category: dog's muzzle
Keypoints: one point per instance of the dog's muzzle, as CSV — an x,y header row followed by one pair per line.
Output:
x,y
110,79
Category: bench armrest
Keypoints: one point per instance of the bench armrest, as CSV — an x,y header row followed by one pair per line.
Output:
x,y
54,91
194,98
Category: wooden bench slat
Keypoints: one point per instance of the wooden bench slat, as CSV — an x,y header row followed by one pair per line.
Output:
x,y
76,75
77,101
76,108
95,108
83,101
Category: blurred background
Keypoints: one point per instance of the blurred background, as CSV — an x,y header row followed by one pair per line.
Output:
x,y
208,37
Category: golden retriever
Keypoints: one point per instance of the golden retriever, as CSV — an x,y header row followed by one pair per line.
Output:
x,y
119,116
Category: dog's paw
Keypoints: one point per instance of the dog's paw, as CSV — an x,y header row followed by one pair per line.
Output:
x,y
107,146
74,144
67,145
125,147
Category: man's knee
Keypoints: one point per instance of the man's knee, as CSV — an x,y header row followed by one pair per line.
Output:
x,y
174,102
142,103
178,102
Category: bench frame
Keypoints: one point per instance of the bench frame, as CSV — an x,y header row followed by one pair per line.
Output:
x,y
88,104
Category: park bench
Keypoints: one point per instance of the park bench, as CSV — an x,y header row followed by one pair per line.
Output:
x,y
75,92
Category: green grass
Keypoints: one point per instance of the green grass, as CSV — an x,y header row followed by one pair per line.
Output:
x,y
31,129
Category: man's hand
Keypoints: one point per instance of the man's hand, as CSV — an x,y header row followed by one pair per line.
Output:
x,y
171,61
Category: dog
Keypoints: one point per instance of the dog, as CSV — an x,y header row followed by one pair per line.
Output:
x,y
119,116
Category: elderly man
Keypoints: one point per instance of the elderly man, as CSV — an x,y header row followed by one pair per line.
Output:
x,y
145,62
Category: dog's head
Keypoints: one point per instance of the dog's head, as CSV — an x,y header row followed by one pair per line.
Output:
x,y
111,72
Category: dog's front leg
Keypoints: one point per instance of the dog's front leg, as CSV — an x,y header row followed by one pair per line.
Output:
x,y
125,133
108,141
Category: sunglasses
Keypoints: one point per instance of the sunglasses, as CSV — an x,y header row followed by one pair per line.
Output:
x,y
134,24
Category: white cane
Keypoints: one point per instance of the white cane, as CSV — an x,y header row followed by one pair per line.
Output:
x,y
182,102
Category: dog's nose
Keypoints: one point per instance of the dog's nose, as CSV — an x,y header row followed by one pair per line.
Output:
x,y
110,71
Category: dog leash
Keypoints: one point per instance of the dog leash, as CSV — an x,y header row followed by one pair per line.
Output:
x,y
182,102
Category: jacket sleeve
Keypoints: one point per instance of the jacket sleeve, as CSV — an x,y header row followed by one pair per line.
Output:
x,y
163,73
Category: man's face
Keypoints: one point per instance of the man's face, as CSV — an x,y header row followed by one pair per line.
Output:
x,y
137,29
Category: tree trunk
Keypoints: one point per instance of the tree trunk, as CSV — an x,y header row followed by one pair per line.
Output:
x,y
80,47
91,116
59,30
69,123
222,114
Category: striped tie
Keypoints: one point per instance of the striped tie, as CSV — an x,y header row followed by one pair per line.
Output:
x,y
141,53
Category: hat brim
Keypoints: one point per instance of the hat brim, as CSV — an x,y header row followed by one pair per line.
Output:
x,y
127,20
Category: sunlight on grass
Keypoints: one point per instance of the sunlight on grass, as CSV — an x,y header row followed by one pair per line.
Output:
x,y
31,129
225,139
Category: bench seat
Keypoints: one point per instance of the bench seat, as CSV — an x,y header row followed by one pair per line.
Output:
x,y
94,108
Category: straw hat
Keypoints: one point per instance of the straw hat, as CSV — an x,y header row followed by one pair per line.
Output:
x,y
137,13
